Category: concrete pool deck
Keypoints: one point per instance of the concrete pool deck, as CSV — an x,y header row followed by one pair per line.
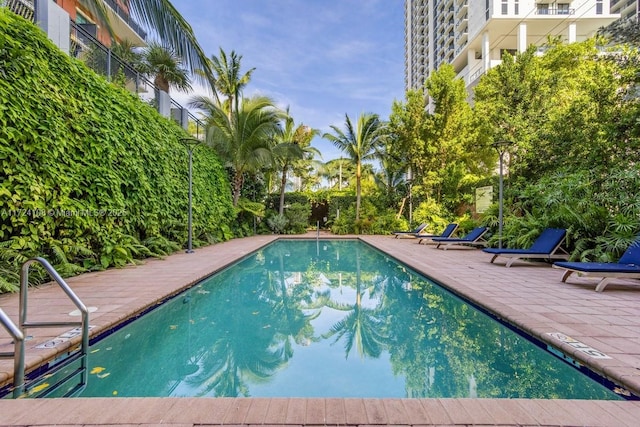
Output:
x,y
529,296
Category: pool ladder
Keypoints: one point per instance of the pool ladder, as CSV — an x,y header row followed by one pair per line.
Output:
x,y
19,336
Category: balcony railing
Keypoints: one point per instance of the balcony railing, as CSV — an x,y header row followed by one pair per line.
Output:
x,y
102,60
554,11
23,8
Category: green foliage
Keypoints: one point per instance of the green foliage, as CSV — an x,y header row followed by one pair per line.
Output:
x,y
294,220
406,124
565,109
253,208
344,224
623,31
341,226
278,223
92,177
273,200
297,215
446,149
242,138
431,213
600,212
165,66
387,221
572,114
341,203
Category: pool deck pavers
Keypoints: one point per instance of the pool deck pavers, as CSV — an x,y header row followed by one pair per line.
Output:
x,y
527,295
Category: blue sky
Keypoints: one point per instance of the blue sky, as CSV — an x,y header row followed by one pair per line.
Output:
x,y
322,58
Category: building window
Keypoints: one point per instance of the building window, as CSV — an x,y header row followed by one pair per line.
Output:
x,y
516,8
543,8
563,8
505,7
487,15
599,7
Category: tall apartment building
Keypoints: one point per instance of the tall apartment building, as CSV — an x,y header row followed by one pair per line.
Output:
x,y
626,8
472,35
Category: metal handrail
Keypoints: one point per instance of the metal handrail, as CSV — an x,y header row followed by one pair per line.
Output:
x,y
17,354
24,323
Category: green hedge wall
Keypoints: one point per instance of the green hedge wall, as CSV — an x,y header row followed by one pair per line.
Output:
x,y
92,177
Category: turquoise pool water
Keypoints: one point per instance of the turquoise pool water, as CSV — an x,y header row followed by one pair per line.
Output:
x,y
325,319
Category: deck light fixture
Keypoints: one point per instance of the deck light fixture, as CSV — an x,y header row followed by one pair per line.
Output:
x,y
501,147
409,180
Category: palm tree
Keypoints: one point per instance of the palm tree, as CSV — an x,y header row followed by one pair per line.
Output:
x,y
166,67
303,169
127,51
164,20
292,144
337,171
129,54
360,144
243,139
391,180
228,81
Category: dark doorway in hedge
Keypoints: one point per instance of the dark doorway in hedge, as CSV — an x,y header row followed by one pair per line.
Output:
x,y
319,212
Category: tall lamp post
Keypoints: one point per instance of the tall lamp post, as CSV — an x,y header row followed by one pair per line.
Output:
x,y
190,144
410,181
501,148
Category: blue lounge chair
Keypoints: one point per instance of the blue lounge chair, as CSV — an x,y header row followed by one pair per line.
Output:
x,y
428,238
411,233
474,238
627,267
547,246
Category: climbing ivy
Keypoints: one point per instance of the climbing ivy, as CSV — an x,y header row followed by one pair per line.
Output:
x,y
91,176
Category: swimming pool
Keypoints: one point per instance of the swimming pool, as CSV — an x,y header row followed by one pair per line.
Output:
x,y
325,319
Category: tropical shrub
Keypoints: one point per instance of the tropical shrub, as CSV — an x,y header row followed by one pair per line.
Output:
x,y
600,212
297,215
431,213
277,223
344,223
387,222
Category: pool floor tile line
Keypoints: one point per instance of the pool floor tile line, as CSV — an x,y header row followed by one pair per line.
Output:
x,y
528,296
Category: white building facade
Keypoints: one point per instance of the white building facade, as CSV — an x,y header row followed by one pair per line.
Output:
x,y
472,35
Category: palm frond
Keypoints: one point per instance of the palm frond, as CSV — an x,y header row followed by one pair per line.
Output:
x,y
172,29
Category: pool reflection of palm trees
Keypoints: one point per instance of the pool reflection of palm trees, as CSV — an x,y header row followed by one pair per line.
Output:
x,y
289,300
363,326
254,344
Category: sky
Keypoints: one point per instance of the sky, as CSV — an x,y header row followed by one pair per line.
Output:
x,y
321,58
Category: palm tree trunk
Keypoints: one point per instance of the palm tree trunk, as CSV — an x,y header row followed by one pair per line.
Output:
x,y
283,183
230,100
358,176
161,83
